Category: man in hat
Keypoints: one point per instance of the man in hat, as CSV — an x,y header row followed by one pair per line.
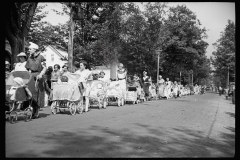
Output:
x,y
34,65
20,66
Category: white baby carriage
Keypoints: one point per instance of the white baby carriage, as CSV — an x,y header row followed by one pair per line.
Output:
x,y
97,94
66,96
114,94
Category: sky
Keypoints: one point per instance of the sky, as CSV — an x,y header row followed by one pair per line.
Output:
x,y
212,15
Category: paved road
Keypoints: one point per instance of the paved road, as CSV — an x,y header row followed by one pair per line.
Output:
x,y
194,126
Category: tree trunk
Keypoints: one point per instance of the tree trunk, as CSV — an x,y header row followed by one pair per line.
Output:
x,y
70,42
15,32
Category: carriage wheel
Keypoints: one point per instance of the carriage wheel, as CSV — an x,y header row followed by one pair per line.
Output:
x,y
53,107
80,107
72,108
13,117
119,102
27,114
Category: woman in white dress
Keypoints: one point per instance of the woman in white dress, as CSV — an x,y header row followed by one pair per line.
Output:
x,y
82,80
161,86
121,77
167,89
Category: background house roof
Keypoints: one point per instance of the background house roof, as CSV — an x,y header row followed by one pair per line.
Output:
x,y
59,52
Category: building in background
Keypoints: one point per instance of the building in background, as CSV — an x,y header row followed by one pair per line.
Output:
x,y
54,56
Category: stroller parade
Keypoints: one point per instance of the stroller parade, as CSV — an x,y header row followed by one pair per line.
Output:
x,y
31,86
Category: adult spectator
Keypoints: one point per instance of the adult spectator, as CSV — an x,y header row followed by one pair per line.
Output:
x,y
34,65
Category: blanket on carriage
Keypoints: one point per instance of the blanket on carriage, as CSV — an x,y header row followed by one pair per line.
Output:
x,y
66,91
97,89
114,89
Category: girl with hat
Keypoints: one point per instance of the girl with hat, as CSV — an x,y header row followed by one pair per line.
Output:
x,y
20,66
34,65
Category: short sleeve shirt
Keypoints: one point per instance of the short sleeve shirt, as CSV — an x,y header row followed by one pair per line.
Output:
x,y
34,63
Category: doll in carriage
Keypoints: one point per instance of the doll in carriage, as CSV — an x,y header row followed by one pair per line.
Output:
x,y
114,94
96,92
19,99
66,95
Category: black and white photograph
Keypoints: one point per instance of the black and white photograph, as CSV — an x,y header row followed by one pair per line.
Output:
x,y
119,79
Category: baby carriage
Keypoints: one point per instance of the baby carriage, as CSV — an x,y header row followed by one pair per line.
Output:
x,y
133,92
114,94
66,95
19,100
97,95
153,92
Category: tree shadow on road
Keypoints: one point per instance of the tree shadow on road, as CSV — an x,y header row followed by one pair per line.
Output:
x,y
147,141
231,114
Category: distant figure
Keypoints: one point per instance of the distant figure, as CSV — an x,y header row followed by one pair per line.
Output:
x,y
220,90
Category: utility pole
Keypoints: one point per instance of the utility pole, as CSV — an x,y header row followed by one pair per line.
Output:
x,y
70,42
227,82
158,53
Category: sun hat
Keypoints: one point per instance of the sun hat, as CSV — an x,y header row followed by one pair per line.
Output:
x,y
7,63
22,54
33,45
120,65
18,81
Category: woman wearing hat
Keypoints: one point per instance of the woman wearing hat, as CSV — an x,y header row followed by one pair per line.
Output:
x,y
34,65
20,66
121,77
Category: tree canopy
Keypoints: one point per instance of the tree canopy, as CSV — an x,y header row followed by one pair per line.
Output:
x,y
105,31
224,56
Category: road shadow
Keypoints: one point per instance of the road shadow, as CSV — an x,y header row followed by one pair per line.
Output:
x,y
148,141
231,114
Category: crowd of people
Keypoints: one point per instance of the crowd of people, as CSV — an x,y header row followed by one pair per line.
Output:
x,y
45,76
164,89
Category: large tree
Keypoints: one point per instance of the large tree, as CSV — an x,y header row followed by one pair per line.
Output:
x,y
186,43
223,58
18,20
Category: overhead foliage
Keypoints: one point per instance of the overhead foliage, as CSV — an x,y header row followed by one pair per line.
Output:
x,y
18,18
120,31
224,56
